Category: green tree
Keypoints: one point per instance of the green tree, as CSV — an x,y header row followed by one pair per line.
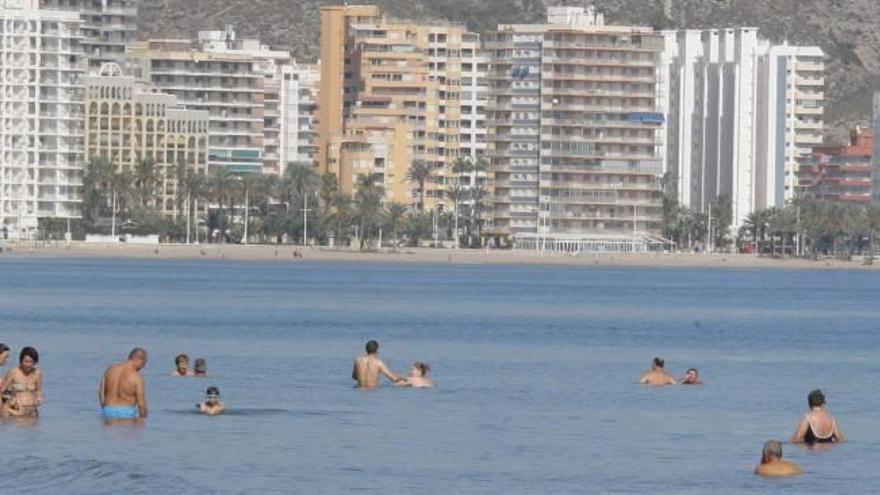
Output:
x,y
420,172
146,178
395,220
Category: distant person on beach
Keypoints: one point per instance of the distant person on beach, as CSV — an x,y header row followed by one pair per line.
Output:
x,y
818,425
418,377
212,405
772,464
692,377
122,391
658,376
367,368
181,366
201,367
26,382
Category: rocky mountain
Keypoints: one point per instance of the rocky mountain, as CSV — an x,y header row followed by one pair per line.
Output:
x,y
845,29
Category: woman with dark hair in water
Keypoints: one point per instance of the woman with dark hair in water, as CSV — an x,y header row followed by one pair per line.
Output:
x,y
26,382
818,425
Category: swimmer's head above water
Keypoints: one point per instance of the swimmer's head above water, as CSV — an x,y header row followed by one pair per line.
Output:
x,y
138,357
658,363
181,364
28,359
201,368
212,396
420,369
372,347
816,399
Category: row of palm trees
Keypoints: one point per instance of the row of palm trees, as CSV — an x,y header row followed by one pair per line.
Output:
x,y
690,228
300,206
810,227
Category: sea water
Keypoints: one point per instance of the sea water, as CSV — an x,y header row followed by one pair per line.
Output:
x,y
536,371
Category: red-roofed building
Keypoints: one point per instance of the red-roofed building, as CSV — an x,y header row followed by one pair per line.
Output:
x,y
840,173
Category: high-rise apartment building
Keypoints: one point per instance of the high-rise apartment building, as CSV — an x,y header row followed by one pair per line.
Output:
x,y
337,72
41,115
876,158
575,132
226,84
108,26
128,121
840,173
270,64
794,99
401,102
712,89
741,115
300,86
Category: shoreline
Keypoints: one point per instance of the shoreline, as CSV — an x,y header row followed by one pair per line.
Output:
x,y
236,252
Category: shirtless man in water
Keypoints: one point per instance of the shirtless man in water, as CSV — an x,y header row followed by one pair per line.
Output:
x,y
772,464
367,368
657,377
121,393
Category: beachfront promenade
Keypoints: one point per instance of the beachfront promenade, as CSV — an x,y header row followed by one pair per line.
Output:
x,y
237,252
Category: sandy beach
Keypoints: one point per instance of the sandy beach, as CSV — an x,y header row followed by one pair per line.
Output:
x,y
287,253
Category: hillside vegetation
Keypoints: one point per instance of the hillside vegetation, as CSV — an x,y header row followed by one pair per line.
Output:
x,y
845,29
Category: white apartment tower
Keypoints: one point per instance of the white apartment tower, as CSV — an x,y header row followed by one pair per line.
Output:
x,y
712,110
299,103
575,133
794,101
108,26
741,113
41,115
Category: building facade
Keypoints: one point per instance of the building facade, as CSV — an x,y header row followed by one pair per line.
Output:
x,y
226,84
793,103
41,115
300,87
575,133
402,103
840,174
128,121
108,27
742,114
876,157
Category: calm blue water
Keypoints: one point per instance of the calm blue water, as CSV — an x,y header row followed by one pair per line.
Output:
x,y
535,365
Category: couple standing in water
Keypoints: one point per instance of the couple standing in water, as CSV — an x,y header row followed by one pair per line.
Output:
x,y
21,390
369,367
658,377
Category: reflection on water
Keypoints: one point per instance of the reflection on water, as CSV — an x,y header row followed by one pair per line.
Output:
x,y
537,367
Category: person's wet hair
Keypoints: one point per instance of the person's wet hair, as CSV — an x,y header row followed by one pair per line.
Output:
x,y
424,368
31,353
372,347
201,366
137,352
816,398
4,348
694,370
181,358
772,448
213,391
659,362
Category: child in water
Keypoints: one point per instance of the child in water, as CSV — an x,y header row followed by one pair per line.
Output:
x,y
10,407
201,367
212,405
418,377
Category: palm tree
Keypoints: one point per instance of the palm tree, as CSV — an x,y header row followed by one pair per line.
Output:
x,y
395,217
420,172
329,187
456,193
97,177
221,190
146,178
479,197
195,189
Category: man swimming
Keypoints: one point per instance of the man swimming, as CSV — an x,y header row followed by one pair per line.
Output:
x,y
692,377
818,425
772,464
418,377
657,377
367,368
122,392
181,366
212,405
